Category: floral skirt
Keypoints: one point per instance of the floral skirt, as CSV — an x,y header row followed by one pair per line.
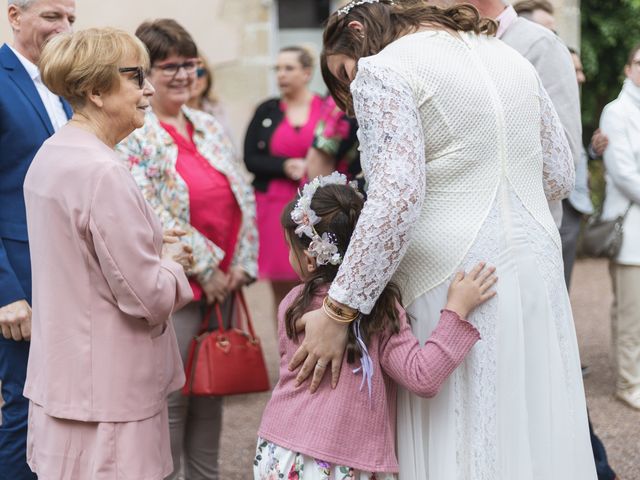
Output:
x,y
274,463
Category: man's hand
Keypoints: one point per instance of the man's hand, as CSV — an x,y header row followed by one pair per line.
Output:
x,y
15,321
599,142
324,344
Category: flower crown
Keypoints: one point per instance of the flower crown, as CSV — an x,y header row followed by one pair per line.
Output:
x,y
323,247
355,3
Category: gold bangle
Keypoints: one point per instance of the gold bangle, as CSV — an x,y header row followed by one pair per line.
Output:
x,y
338,311
333,315
344,312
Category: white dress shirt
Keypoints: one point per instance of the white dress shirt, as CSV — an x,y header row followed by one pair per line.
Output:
x,y
51,101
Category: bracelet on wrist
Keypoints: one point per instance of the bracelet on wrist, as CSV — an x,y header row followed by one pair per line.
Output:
x,y
337,313
339,309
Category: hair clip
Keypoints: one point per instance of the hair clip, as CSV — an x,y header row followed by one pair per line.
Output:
x,y
355,3
323,247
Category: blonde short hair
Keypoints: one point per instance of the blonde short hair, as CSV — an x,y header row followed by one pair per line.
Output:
x,y
75,64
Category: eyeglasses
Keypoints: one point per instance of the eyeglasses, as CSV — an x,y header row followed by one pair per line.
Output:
x,y
172,69
139,75
201,72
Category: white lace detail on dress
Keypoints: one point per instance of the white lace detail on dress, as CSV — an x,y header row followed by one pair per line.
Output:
x,y
476,379
552,268
558,168
393,160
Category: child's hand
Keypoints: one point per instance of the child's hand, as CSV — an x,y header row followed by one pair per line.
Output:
x,y
467,291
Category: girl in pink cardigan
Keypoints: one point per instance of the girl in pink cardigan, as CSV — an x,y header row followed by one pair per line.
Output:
x,y
349,432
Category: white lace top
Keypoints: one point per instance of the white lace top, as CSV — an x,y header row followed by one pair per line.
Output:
x,y
443,121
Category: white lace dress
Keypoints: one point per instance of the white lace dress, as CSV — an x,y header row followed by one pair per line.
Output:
x,y
515,409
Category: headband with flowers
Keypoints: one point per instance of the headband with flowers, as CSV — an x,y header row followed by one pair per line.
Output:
x,y
323,247
355,3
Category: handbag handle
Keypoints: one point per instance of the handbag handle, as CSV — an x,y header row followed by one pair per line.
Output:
x,y
204,326
243,304
239,296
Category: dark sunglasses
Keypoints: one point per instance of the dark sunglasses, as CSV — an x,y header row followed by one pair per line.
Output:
x,y
139,75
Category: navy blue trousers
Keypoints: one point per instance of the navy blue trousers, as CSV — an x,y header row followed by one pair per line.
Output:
x,y
15,410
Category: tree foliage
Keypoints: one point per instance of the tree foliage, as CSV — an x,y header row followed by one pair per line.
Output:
x,y
610,29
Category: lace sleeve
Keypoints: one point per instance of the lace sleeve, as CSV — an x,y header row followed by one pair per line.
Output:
x,y
558,167
392,143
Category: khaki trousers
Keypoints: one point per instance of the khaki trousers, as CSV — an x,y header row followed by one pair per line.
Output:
x,y
194,422
625,325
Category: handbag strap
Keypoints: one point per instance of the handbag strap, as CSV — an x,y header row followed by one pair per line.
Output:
x,y
243,305
206,317
624,215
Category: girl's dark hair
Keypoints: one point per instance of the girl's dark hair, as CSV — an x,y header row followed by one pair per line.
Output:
x,y
165,37
338,207
384,23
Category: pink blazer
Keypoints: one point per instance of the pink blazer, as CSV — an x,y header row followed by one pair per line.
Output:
x,y
103,348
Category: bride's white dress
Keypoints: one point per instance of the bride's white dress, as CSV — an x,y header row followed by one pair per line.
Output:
x,y
462,149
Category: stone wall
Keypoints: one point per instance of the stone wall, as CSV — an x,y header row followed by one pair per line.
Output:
x,y
568,21
237,36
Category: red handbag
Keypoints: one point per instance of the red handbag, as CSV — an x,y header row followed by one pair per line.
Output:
x,y
226,362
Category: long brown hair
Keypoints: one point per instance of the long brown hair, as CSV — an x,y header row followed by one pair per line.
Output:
x,y
383,23
338,207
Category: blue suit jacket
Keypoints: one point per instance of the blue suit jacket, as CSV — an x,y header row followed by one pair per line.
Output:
x,y
24,126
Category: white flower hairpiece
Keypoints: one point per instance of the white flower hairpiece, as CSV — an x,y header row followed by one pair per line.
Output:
x,y
355,3
323,247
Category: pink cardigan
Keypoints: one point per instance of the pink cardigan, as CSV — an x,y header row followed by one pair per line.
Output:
x,y
343,426
102,348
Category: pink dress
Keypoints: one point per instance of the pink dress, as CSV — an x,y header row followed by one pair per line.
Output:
x,y
287,141
213,208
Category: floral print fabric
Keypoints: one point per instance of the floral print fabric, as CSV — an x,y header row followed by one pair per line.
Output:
x,y
151,154
273,462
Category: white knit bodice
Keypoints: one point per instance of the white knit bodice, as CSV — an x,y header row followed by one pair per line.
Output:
x,y
445,121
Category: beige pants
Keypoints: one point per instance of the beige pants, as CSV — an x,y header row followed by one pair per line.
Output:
x,y
194,422
625,325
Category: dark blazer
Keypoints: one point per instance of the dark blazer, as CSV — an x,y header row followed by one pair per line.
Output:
x,y
24,126
257,144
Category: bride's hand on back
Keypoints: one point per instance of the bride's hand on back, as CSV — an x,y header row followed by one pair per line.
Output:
x,y
468,290
322,348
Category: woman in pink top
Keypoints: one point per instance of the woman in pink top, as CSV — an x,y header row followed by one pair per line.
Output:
x,y
277,141
185,165
349,432
103,353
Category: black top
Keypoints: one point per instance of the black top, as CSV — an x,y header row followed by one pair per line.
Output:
x,y
257,143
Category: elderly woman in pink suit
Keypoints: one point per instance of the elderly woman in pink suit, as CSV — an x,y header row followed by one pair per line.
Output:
x,y
106,278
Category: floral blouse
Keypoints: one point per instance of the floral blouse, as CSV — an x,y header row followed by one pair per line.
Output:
x,y
151,154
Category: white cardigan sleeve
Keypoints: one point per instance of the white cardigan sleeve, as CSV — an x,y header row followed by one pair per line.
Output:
x,y
393,159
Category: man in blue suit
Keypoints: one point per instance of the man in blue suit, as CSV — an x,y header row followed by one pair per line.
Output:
x,y
29,114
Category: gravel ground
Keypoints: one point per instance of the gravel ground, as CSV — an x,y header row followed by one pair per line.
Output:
x,y
617,424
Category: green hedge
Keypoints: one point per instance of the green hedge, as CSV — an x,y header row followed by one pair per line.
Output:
x,y
610,28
